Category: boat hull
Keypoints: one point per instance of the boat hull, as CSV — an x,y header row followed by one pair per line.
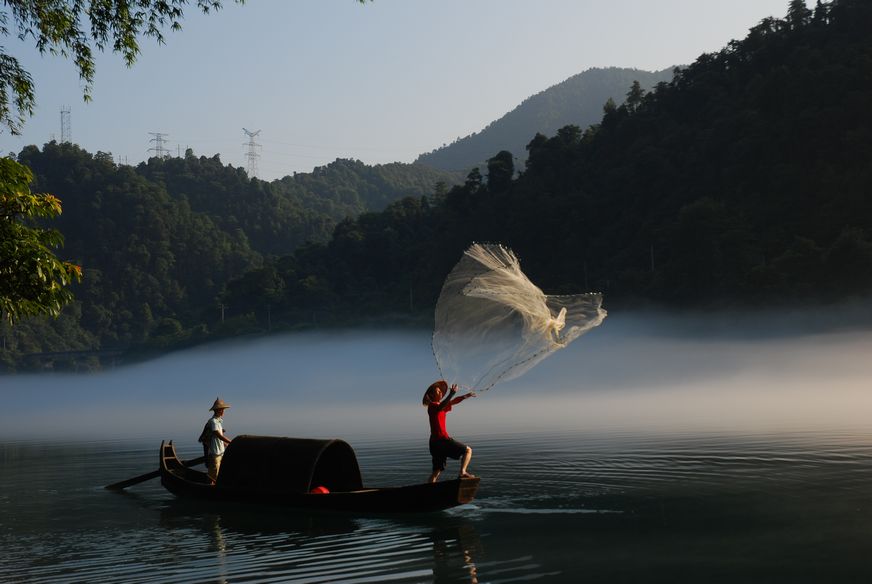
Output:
x,y
426,497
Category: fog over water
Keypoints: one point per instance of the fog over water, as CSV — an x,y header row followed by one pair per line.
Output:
x,y
787,372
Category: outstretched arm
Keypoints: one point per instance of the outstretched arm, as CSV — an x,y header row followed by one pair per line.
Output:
x,y
457,400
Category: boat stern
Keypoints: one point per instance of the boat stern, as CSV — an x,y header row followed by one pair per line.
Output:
x,y
467,489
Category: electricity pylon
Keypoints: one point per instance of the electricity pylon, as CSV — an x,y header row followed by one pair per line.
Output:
x,y
251,154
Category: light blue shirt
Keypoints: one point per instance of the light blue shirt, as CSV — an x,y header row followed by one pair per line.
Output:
x,y
216,445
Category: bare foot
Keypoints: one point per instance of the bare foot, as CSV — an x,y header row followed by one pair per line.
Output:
x,y
466,475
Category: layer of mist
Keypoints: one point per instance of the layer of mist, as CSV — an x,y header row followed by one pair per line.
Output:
x,y
636,373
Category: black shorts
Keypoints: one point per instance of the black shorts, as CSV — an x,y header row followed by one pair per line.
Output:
x,y
444,448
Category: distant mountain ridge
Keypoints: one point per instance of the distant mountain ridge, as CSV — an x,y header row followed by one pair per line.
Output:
x,y
577,101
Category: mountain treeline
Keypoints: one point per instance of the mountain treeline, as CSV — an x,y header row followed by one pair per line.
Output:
x,y
158,242
743,180
577,101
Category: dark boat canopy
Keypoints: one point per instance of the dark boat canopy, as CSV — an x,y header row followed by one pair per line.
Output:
x,y
291,465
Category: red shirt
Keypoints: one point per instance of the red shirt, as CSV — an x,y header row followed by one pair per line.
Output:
x,y
437,420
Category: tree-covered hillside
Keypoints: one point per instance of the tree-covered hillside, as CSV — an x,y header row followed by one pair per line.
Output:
x,y
744,180
346,188
158,242
577,101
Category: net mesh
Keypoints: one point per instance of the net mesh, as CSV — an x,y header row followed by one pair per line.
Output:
x,y
493,324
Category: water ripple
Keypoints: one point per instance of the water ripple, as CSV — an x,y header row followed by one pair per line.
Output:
x,y
539,494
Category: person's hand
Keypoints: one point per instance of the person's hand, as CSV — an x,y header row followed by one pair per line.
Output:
x,y
470,394
453,388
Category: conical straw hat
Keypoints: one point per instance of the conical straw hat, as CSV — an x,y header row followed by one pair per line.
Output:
x,y
219,404
441,384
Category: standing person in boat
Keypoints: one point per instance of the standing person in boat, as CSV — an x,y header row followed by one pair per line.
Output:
x,y
213,438
443,446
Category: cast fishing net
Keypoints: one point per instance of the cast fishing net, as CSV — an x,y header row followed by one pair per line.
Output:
x,y
493,324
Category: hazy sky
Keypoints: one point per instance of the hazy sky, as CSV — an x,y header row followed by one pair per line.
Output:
x,y
383,82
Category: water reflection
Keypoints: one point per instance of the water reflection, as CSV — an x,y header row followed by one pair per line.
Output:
x,y
297,546
455,550
555,506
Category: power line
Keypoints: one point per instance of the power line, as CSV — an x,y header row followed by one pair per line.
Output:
x,y
392,149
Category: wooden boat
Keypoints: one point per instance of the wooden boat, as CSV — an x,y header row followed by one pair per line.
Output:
x,y
284,472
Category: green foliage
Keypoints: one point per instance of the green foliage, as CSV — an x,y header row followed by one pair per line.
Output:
x,y
743,180
346,188
500,169
33,280
798,14
634,97
160,242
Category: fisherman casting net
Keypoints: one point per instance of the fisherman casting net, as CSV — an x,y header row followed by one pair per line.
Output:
x,y
493,324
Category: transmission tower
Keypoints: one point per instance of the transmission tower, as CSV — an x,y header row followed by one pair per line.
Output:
x,y
66,134
251,154
159,149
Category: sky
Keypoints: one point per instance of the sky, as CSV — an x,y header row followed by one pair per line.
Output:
x,y
381,82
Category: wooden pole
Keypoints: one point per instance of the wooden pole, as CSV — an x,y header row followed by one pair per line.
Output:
x,y
151,475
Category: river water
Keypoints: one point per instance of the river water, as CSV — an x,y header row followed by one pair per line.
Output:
x,y
650,450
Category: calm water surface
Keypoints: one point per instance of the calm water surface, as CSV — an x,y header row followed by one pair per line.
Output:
x,y
552,506
650,450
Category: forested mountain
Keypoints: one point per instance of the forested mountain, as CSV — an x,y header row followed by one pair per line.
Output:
x,y
743,180
279,215
577,101
158,242
346,188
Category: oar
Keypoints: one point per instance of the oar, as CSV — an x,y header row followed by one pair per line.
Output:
x,y
151,475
